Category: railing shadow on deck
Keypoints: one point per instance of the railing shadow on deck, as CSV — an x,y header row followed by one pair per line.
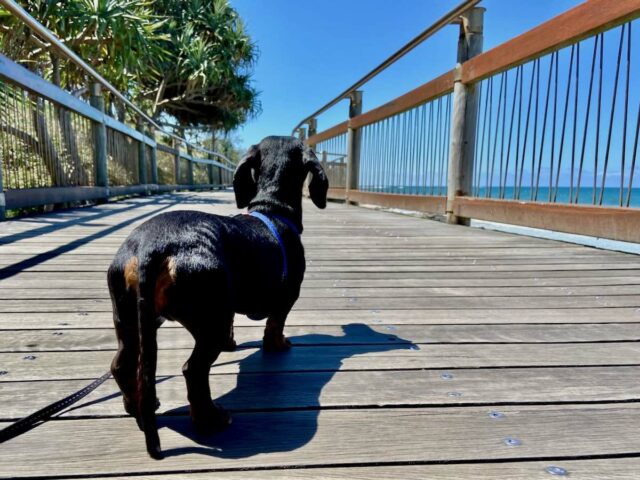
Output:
x,y
256,433
163,203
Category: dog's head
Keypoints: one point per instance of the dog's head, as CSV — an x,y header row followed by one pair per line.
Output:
x,y
271,175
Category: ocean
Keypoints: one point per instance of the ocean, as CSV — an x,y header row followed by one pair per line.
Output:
x,y
610,195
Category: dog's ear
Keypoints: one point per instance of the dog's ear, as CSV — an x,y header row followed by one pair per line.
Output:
x,y
244,182
319,183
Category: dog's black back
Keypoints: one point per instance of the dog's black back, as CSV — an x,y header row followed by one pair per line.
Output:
x,y
200,269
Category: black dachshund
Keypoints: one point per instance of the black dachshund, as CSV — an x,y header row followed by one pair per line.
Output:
x,y
199,269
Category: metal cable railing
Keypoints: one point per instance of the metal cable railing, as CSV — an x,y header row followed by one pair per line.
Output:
x,y
446,19
563,127
55,43
541,131
56,148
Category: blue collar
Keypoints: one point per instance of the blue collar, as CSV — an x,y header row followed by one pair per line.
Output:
x,y
274,231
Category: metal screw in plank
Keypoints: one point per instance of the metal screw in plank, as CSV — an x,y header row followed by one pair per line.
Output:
x,y
446,376
512,442
29,357
454,394
558,471
496,415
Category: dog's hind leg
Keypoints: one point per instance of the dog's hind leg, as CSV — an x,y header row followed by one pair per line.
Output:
x,y
207,417
148,323
124,364
125,320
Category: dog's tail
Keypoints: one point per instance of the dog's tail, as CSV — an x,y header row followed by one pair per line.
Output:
x,y
147,331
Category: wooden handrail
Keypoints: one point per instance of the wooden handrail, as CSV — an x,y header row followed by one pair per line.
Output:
x,y
585,20
334,131
428,91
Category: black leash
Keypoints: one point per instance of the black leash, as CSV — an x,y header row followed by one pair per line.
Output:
x,y
27,423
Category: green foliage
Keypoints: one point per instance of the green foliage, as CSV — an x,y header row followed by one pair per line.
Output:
x,y
121,39
206,76
187,62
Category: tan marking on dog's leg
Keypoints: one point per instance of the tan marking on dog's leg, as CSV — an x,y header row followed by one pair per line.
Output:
x,y
131,278
166,278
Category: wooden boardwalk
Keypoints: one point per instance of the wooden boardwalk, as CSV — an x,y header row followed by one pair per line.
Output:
x,y
420,349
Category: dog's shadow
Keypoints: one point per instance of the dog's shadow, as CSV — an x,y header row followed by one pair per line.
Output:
x,y
276,428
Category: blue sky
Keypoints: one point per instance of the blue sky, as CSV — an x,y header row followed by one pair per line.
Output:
x,y
310,51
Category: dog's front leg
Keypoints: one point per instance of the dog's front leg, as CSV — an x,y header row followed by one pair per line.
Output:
x,y
207,417
230,345
274,339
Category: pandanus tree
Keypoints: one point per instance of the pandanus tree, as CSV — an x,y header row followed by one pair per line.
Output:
x,y
187,62
206,80
118,38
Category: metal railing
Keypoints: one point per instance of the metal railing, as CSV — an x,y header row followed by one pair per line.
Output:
x,y
540,131
56,148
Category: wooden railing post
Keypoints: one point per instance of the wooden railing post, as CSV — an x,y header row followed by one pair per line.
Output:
x,y
3,203
312,127
99,139
142,167
190,173
302,133
353,144
176,161
154,158
465,115
210,172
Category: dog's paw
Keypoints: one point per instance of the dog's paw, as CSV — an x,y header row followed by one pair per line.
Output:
x,y
276,343
210,419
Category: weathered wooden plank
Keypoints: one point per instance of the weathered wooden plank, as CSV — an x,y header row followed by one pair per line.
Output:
x,y
355,303
251,336
546,316
391,356
33,286
394,250
348,389
611,468
361,292
521,273
391,271
335,437
339,265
